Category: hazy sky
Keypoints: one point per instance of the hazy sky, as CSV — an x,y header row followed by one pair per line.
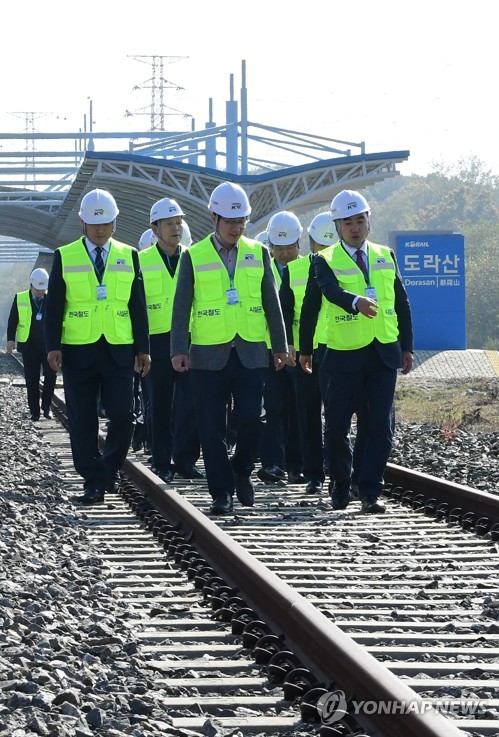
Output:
x,y
398,75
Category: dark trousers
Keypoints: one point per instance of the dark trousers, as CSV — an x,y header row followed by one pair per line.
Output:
x,y
82,388
186,448
34,362
174,431
212,391
280,445
369,392
309,414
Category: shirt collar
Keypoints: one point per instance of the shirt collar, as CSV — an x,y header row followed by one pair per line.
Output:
x,y
219,246
91,245
352,250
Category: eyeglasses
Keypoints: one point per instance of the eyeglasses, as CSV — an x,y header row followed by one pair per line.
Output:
x,y
238,222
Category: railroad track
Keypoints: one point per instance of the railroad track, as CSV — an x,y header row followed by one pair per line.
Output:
x,y
290,618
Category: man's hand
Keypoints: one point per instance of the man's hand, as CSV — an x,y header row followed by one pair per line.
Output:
x,y
306,363
10,346
142,363
280,360
291,356
407,362
367,307
180,362
54,359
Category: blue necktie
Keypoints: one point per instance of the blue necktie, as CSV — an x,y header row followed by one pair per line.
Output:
x,y
99,264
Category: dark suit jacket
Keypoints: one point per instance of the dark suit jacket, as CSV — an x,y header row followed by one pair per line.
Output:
x,y
325,283
82,356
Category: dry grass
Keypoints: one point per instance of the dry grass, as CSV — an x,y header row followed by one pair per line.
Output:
x,y
470,404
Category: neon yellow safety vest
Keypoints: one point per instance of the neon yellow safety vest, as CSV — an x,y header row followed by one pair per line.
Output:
x,y
278,278
87,318
348,332
159,286
298,278
277,274
214,320
25,312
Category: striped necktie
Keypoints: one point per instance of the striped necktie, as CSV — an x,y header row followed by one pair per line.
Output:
x,y
99,264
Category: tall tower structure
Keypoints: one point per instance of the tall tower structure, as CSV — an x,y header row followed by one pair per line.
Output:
x,y
29,121
158,84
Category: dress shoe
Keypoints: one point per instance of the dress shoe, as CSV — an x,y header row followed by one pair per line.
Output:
x,y
340,499
271,473
47,413
165,475
34,417
245,491
189,472
114,482
91,496
373,506
222,504
314,486
137,445
296,478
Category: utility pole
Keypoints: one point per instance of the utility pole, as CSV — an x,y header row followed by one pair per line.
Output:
x,y
157,84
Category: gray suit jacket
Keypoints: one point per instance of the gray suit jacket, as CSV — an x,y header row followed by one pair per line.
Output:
x,y
214,357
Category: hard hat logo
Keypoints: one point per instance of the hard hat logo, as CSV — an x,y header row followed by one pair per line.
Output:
x,y
352,206
99,212
236,205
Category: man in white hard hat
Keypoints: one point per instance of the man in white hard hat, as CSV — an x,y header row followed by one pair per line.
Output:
x,y
227,294
280,449
174,437
27,320
308,388
97,334
369,337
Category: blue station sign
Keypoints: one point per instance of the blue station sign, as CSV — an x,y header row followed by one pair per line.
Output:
x,y
431,264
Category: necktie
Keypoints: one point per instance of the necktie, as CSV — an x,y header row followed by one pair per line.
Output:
x,y
99,264
359,260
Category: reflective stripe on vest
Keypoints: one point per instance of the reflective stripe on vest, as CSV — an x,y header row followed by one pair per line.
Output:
x,y
213,319
86,318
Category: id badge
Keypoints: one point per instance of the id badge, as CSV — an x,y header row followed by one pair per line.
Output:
x,y
39,316
232,298
101,292
371,293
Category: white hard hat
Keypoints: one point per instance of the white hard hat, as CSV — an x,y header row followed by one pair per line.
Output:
x,y
284,229
39,279
348,203
186,238
147,239
263,237
229,201
165,208
98,206
322,229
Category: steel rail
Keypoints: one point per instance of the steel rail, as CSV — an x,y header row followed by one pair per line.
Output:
x,y
330,655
